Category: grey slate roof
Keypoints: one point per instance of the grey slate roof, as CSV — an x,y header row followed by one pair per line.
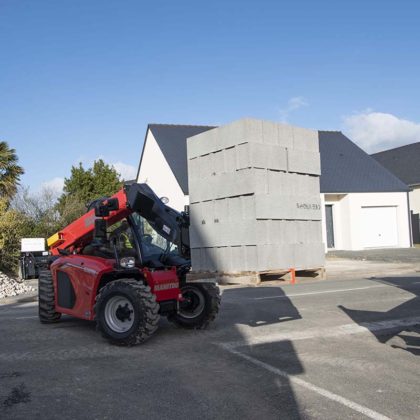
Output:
x,y
172,140
345,167
404,162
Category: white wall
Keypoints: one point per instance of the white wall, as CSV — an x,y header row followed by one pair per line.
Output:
x,y
156,172
415,199
348,221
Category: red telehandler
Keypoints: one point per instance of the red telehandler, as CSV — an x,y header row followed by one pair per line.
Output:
x,y
124,264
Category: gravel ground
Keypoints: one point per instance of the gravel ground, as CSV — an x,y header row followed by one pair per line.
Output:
x,y
10,286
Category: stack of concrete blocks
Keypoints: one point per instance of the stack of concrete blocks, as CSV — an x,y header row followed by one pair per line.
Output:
x,y
255,198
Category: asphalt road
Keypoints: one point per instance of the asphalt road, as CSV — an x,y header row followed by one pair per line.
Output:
x,y
318,350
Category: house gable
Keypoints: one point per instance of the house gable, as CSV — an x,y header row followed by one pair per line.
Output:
x,y
155,171
172,141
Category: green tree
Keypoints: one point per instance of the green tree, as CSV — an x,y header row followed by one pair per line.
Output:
x,y
14,225
10,171
84,186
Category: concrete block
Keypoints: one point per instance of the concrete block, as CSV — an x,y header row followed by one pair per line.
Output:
x,y
280,183
293,207
248,207
218,162
230,157
247,212
309,256
305,139
259,155
306,184
285,135
283,232
203,143
270,133
251,258
241,131
275,257
304,162
250,130
246,181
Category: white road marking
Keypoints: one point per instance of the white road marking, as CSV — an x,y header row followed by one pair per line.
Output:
x,y
26,317
321,391
321,292
323,332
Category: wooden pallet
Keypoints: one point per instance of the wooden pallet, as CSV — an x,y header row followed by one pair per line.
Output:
x,y
290,276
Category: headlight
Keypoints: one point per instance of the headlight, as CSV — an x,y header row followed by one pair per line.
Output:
x,y
127,262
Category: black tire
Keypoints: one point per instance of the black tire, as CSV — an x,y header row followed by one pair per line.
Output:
x,y
126,312
46,298
201,305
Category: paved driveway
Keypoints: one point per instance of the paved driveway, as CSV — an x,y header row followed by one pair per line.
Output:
x,y
319,350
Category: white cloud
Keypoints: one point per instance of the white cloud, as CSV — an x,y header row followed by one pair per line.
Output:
x,y
55,185
293,104
126,171
377,131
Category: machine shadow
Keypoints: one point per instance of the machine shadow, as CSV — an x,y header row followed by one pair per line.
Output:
x,y
404,338
254,307
259,307
262,307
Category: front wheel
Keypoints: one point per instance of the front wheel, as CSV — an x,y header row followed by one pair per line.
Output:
x,y
126,312
199,306
46,298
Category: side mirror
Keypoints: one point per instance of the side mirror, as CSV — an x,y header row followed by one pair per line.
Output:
x,y
113,204
100,234
103,208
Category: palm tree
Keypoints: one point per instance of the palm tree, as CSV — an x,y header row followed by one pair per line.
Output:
x,y
10,171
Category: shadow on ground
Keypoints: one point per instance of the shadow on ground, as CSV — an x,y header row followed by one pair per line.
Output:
x,y
194,376
404,338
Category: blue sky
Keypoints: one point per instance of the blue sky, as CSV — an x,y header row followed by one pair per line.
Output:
x,y
82,79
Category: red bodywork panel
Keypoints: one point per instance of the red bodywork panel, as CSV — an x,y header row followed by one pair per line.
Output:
x,y
85,273
80,232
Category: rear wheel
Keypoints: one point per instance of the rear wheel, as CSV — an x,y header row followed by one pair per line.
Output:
x,y
126,312
46,298
199,307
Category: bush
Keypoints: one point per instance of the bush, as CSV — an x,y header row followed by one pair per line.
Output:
x,y
14,225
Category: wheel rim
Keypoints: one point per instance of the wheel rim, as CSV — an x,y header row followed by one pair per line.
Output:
x,y
119,314
193,303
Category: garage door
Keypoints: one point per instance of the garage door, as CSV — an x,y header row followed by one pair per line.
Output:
x,y
379,227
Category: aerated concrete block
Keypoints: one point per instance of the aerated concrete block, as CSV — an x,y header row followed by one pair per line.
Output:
x,y
304,162
255,200
275,257
305,139
293,207
246,181
241,131
259,155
